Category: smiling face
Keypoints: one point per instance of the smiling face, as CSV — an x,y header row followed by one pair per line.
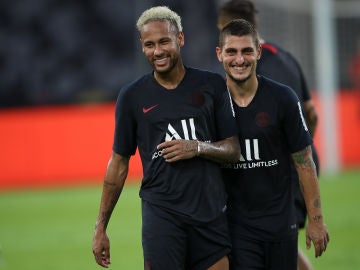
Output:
x,y
239,55
161,45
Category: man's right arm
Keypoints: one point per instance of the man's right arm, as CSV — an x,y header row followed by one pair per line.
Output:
x,y
114,180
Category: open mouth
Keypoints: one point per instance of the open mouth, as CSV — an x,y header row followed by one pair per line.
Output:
x,y
240,68
160,61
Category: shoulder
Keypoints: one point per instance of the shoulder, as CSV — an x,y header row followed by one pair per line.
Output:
x,y
134,86
272,49
206,74
277,89
207,79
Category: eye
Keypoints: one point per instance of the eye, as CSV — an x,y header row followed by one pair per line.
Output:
x,y
248,51
230,52
165,41
148,45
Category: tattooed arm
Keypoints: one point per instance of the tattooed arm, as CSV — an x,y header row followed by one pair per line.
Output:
x,y
114,180
227,150
316,230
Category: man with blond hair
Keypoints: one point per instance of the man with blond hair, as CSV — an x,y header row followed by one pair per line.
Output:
x,y
182,122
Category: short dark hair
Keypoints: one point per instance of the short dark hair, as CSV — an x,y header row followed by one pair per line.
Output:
x,y
239,27
238,9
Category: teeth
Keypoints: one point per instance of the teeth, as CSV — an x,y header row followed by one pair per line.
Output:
x,y
160,60
239,68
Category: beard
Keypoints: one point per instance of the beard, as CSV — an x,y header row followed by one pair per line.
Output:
x,y
172,64
237,80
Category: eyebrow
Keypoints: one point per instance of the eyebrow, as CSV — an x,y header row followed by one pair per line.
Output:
x,y
246,49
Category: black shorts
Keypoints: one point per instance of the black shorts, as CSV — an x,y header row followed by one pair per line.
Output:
x,y
300,206
172,242
252,254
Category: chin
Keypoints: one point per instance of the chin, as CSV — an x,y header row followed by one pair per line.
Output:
x,y
241,79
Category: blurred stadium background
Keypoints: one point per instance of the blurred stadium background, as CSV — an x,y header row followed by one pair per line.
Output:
x,y
63,62
61,51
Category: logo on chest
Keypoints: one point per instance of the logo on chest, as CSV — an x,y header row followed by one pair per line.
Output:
x,y
148,109
262,119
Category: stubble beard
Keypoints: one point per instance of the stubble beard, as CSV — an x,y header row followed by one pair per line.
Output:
x,y
172,64
237,80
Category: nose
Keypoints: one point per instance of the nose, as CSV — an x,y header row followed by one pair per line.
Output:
x,y
158,50
240,58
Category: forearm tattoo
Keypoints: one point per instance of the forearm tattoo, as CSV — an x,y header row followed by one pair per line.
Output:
x,y
317,218
191,146
105,217
317,203
114,196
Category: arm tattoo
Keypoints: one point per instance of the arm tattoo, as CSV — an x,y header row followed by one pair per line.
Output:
x,y
303,158
317,218
114,195
317,203
105,217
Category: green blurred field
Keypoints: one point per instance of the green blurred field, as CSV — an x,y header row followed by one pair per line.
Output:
x,y
52,229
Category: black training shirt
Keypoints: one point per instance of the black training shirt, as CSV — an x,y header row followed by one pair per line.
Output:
x,y
198,109
270,128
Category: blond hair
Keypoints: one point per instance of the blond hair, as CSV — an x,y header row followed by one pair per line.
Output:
x,y
160,13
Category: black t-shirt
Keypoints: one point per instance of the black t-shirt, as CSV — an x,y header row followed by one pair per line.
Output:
x,y
270,128
198,109
279,65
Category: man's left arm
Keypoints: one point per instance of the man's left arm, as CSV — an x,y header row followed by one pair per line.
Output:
x,y
316,230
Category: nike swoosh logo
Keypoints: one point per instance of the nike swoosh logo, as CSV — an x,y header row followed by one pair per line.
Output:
x,y
146,110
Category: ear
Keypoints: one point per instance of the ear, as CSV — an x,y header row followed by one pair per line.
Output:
x,y
181,39
218,54
142,47
259,51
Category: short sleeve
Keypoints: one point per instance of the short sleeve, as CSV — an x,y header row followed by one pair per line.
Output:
x,y
125,125
294,125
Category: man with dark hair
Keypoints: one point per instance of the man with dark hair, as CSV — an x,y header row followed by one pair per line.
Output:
x,y
281,66
272,132
182,122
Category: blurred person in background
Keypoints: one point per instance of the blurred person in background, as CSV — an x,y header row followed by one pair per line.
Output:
x,y
272,131
279,65
182,121
354,67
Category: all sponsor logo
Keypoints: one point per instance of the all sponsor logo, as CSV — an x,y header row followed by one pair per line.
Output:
x,y
250,157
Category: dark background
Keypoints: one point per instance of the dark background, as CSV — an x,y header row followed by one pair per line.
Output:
x,y
77,51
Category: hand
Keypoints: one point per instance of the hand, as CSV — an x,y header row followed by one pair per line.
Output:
x,y
178,149
317,233
101,249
